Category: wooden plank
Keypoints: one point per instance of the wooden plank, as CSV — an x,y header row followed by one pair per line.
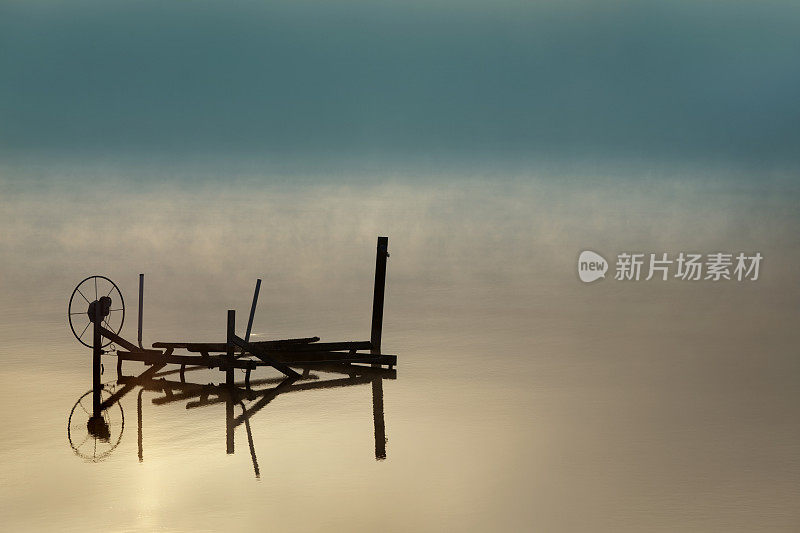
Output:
x,y
152,356
221,347
184,344
322,346
152,353
278,342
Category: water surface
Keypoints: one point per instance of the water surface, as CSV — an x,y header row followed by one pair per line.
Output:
x,y
524,399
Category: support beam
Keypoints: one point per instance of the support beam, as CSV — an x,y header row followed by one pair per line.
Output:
x,y
119,340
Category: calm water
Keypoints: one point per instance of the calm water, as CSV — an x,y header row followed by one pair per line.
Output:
x,y
524,399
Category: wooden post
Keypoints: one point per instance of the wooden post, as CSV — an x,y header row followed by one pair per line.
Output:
x,y
229,438
230,346
377,298
141,303
375,339
97,350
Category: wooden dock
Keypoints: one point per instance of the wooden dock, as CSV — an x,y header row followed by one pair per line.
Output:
x,y
235,353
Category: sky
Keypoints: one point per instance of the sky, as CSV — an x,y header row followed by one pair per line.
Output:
x,y
447,81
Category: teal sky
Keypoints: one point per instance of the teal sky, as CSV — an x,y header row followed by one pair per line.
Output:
x,y
299,80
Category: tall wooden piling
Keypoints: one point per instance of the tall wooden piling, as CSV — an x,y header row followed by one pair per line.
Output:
x,y
381,255
378,292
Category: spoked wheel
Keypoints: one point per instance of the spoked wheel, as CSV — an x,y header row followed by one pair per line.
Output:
x,y
94,438
95,289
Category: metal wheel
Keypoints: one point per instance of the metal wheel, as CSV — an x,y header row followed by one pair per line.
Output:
x,y
89,290
94,439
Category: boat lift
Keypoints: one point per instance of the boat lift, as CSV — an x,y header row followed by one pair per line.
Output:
x,y
106,315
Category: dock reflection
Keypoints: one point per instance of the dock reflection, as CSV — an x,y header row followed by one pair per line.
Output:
x,y
95,438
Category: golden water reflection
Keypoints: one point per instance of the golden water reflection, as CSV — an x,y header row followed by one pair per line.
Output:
x,y
95,445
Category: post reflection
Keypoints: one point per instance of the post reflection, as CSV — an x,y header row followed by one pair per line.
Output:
x,y
94,438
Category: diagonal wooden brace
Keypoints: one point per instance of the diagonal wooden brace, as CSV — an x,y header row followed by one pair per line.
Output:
x,y
122,342
261,354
